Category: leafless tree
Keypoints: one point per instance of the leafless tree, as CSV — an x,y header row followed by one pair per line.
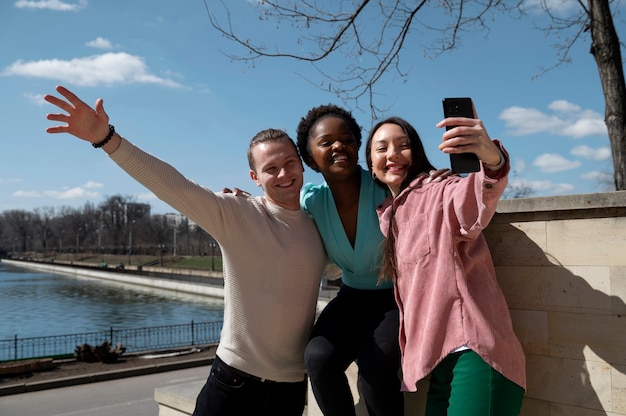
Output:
x,y
43,224
20,222
159,233
371,36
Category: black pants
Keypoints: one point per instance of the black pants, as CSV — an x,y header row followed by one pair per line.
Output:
x,y
362,326
230,392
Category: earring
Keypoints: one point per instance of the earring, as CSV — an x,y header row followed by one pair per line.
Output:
x,y
374,176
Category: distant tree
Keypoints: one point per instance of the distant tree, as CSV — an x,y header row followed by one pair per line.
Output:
x,y
4,239
21,224
115,217
107,226
371,36
43,226
160,231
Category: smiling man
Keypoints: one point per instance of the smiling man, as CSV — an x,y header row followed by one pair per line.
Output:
x,y
273,261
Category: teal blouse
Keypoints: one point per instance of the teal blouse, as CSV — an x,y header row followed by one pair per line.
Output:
x,y
360,265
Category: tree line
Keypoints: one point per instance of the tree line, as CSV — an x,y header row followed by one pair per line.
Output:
x,y
118,225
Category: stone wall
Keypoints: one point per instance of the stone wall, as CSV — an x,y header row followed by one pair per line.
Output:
x,y
561,263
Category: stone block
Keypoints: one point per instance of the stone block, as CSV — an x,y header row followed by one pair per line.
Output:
x,y
592,241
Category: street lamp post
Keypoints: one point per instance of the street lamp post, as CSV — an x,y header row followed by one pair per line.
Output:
x,y
100,244
77,240
174,250
130,240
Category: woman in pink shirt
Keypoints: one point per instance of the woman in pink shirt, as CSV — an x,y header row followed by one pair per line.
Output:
x,y
454,321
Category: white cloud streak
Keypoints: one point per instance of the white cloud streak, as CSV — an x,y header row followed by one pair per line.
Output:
x,y
566,119
599,154
553,162
36,99
543,187
77,192
56,5
600,177
100,43
556,7
106,69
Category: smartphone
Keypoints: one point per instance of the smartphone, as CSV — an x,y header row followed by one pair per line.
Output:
x,y
461,107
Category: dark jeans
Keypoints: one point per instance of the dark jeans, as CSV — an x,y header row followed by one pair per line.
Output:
x,y
229,391
362,326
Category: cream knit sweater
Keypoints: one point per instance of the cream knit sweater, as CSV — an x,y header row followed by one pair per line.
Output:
x,y
273,262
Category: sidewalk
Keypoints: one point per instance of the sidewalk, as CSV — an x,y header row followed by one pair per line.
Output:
x,y
71,372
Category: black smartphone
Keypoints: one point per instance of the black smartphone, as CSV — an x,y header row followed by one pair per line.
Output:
x,y
461,107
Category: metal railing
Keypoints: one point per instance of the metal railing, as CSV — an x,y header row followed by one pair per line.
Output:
x,y
134,340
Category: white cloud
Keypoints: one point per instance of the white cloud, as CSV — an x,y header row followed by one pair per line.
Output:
x,y
556,7
91,185
601,153
519,165
563,106
56,5
148,196
100,43
552,162
567,119
66,193
586,126
36,99
26,194
72,193
598,176
543,187
106,69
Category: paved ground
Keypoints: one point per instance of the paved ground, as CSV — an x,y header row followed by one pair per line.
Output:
x,y
70,372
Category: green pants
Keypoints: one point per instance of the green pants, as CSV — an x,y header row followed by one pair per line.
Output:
x,y
463,384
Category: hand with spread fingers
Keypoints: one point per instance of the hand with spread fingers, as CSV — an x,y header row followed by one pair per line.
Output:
x,y
81,120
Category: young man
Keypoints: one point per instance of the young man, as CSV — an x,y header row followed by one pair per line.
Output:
x,y
273,262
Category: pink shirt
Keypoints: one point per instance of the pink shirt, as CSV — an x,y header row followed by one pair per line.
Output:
x,y
446,289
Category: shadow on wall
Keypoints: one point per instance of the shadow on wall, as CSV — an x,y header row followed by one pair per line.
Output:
x,y
572,328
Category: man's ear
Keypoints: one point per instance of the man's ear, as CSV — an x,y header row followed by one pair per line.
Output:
x,y
255,178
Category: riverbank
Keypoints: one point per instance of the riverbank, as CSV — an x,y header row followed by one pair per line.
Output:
x,y
187,281
195,281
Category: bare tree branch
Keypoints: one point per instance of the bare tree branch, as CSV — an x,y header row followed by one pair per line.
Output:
x,y
372,35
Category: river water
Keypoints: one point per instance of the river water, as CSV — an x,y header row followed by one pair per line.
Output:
x,y
35,304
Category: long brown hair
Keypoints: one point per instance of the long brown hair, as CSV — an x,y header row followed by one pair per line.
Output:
x,y
419,165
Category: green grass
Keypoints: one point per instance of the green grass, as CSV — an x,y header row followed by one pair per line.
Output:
x,y
197,263
203,263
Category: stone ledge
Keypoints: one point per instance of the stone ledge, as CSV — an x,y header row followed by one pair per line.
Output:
x,y
25,366
604,200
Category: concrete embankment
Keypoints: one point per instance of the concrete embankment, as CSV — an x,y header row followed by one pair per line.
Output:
x,y
187,283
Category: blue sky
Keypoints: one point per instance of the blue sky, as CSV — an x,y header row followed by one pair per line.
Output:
x,y
169,87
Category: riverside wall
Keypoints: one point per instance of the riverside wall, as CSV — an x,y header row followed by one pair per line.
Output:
x,y
198,282
561,263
